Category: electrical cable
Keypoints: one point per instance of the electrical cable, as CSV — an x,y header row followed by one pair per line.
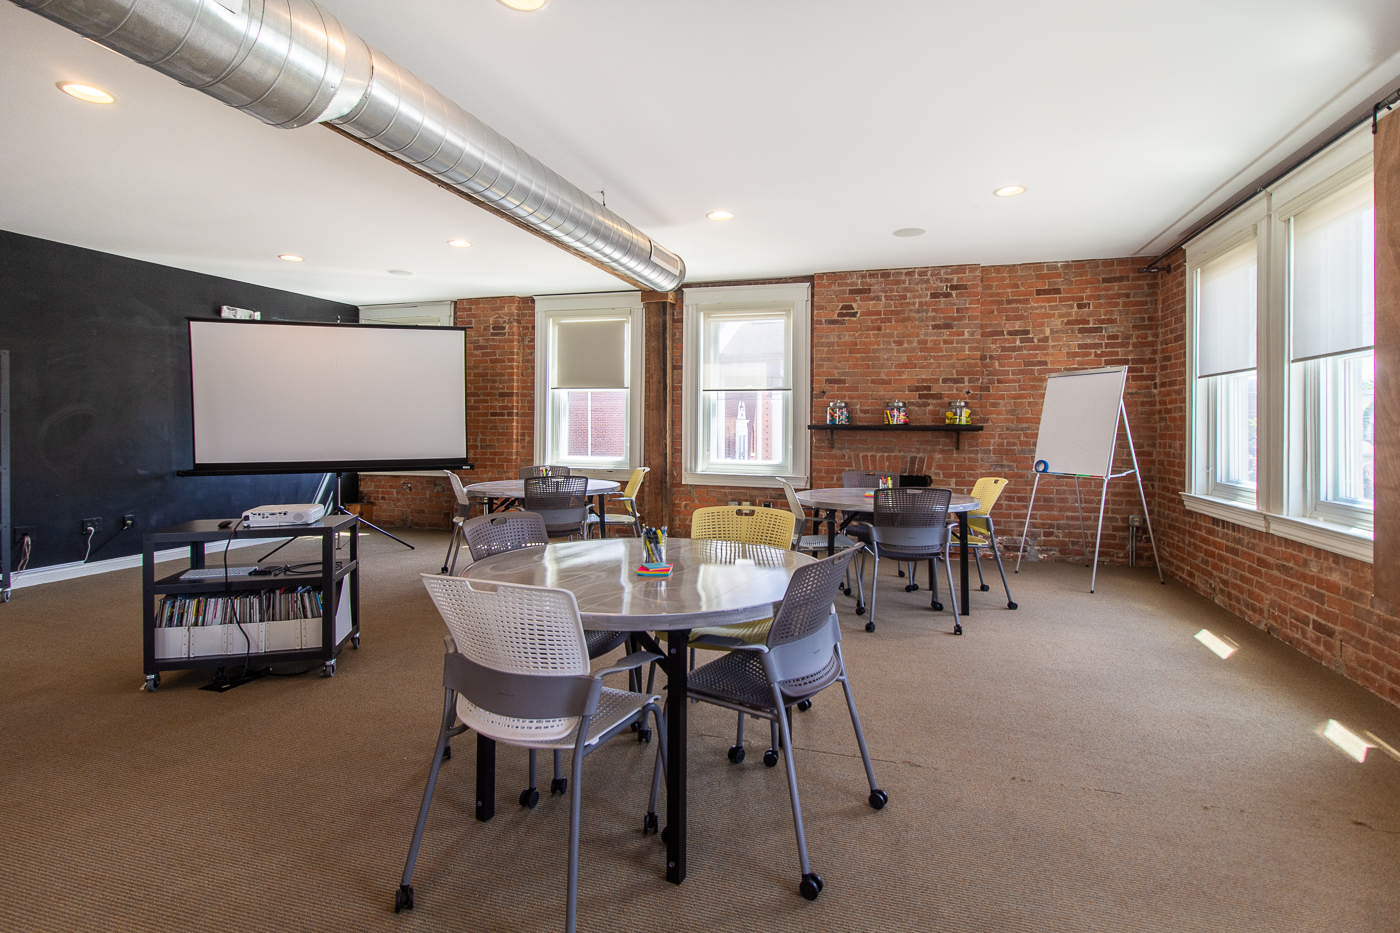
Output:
x,y
26,547
91,531
233,602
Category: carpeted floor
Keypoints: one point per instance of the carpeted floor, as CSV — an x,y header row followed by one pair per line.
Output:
x,y
1081,764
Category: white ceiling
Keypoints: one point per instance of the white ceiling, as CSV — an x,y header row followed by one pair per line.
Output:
x,y
823,125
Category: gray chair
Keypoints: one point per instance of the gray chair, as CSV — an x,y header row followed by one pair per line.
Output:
x,y
516,671
801,657
865,479
543,469
909,525
464,512
562,501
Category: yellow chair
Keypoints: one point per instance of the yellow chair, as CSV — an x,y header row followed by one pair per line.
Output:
x,y
773,527
628,499
980,532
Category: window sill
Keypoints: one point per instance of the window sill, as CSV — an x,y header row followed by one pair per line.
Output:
x,y
1319,534
756,481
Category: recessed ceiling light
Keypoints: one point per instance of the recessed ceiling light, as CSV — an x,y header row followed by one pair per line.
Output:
x,y
399,272
460,244
291,258
1010,191
525,6
910,231
720,215
93,95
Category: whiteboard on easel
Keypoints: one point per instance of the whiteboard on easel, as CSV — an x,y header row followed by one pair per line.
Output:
x,y
1079,423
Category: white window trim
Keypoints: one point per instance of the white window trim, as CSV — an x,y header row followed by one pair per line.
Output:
x,y
797,297
1284,500
550,308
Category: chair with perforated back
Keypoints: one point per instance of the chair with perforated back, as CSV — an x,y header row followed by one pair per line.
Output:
x,y
562,501
631,519
813,543
909,524
773,527
464,512
800,657
981,534
516,671
543,469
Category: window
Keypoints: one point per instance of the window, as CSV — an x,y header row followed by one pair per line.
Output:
x,y
588,358
747,388
1281,305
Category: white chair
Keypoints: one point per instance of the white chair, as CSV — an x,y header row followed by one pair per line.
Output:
x,y
516,671
464,512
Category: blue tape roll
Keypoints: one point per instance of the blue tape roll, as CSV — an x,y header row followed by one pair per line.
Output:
x,y
1042,467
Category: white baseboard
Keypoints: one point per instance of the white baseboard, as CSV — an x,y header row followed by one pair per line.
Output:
x,y
79,569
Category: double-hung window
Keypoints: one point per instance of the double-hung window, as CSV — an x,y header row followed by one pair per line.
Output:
x,y
1226,304
588,382
746,384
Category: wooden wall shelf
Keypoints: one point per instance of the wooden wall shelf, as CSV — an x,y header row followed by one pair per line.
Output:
x,y
957,430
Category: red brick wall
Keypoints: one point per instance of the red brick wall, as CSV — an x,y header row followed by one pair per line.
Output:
x,y
1314,600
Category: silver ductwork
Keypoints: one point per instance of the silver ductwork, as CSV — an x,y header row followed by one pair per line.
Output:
x,y
291,62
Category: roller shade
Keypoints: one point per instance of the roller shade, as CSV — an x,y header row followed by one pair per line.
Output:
x,y
1334,274
1227,311
590,355
746,352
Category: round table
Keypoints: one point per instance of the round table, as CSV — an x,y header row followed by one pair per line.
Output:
x,y
711,583
508,490
854,499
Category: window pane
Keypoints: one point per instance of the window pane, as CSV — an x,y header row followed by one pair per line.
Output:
x,y
746,427
1236,429
593,423
1348,429
748,352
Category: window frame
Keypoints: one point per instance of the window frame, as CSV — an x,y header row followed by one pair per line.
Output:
x,y
551,309
796,300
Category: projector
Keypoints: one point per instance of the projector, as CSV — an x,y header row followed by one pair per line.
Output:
x,y
301,514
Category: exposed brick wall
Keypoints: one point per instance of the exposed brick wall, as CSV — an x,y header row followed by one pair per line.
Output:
x,y
1314,600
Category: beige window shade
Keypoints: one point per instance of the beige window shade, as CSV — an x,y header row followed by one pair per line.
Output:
x,y
1227,312
1334,275
590,355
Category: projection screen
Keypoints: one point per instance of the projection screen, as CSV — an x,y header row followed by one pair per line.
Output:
x,y
273,397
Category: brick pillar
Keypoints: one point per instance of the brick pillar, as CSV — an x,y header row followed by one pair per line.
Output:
x,y
656,399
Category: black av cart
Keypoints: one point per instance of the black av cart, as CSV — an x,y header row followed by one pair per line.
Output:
x,y
234,634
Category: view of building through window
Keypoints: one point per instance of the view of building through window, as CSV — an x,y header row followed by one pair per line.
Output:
x,y
595,423
746,387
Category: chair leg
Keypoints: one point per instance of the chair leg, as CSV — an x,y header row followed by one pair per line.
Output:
x,y
736,753
933,585
796,800
571,914
649,825
977,560
860,585
404,898
992,537
874,590
560,784
530,796
952,593
449,562
878,798
913,584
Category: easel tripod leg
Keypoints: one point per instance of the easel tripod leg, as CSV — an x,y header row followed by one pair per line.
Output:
x,y
1026,530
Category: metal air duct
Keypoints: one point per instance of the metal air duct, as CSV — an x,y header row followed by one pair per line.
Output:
x,y
291,62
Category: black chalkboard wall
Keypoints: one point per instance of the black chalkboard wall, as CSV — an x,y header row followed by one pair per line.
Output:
x,y
100,395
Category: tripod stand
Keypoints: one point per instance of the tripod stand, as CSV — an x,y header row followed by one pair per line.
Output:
x,y
328,494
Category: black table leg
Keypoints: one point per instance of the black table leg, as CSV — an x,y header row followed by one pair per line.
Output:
x,y
676,704
485,777
966,597
830,532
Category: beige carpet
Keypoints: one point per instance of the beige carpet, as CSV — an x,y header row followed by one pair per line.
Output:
x,y
1081,764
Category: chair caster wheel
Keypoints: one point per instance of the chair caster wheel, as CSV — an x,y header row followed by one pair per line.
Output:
x,y
770,757
666,834
643,735
846,590
1010,605
447,753
937,607
403,898
811,885
878,799
912,588
957,629
860,610
559,786
649,824
984,587
901,573
804,705
529,797
736,754
636,727
870,626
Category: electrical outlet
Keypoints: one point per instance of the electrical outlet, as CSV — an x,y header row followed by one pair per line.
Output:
x,y
1135,521
128,521
17,533
93,524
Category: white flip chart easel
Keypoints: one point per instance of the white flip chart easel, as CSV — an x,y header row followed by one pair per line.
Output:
x,y
1079,437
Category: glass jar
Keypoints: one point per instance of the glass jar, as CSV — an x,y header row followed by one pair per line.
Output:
x,y
896,413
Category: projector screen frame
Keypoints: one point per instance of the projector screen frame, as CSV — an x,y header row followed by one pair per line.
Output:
x,y
323,466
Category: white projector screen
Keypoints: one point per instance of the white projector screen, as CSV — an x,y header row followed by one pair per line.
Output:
x,y
271,397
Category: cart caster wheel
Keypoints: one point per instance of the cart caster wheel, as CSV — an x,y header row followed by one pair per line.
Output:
x,y
5,596
957,629
403,898
559,786
649,824
878,799
355,642
152,683
666,834
736,754
846,590
804,705
329,669
860,610
937,607
447,753
529,797
811,886
984,587
770,757
644,735
870,626
1010,605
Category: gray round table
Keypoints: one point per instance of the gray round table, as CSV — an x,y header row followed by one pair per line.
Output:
x,y
508,490
852,499
711,583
